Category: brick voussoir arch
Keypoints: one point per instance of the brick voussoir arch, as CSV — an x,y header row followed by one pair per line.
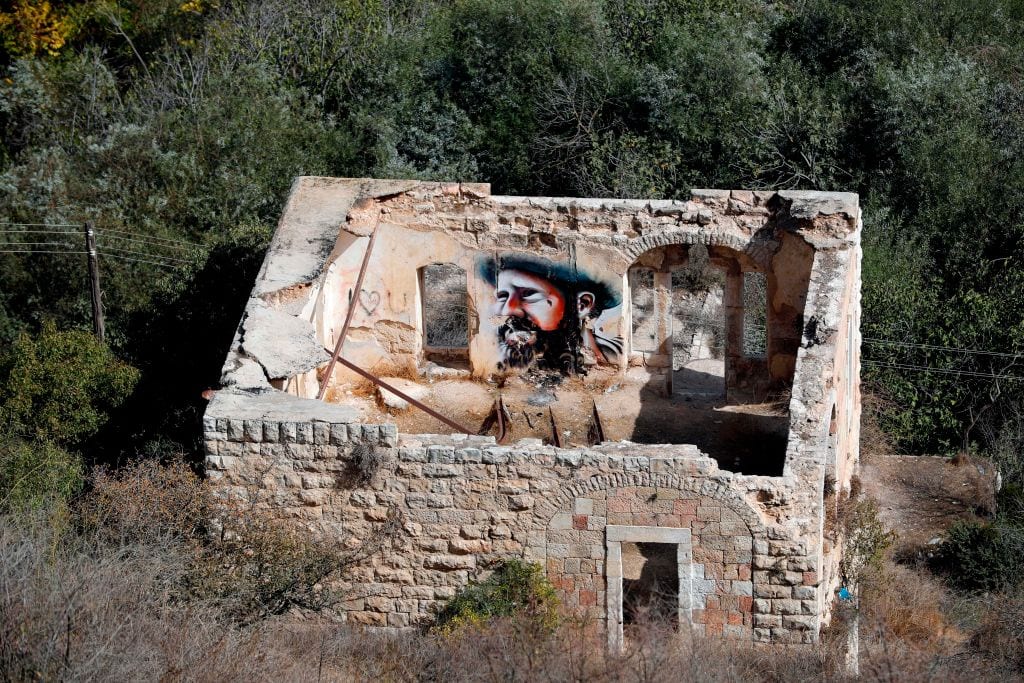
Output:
x,y
759,247
700,488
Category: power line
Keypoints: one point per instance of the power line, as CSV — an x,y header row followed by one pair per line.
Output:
x,y
150,242
149,237
137,260
43,225
39,232
143,253
40,251
932,347
37,244
921,368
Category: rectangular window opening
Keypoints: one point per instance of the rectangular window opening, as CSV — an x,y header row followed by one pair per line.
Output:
x,y
644,324
445,311
755,315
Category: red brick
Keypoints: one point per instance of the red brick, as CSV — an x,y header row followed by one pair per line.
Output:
x,y
735,619
714,617
743,572
579,522
618,505
810,578
588,598
564,583
686,507
746,603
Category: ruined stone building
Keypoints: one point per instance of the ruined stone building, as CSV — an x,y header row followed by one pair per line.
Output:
x,y
658,401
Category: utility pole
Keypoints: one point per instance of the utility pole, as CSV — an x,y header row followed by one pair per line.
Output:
x,y
94,281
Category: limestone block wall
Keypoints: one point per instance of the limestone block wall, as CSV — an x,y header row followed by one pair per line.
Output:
x,y
755,560
465,502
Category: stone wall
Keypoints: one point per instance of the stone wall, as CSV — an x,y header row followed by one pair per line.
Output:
x,y
755,559
465,502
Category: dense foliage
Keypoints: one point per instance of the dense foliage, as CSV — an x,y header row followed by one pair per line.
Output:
x,y
513,589
60,386
987,554
188,121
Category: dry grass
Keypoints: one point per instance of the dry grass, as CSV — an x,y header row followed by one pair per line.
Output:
x,y
909,605
873,440
122,597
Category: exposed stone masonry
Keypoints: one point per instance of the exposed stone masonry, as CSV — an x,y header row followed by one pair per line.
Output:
x,y
755,560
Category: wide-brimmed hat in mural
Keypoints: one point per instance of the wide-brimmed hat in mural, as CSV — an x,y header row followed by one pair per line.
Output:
x,y
563,275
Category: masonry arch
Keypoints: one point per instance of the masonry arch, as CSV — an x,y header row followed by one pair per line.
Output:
x,y
707,531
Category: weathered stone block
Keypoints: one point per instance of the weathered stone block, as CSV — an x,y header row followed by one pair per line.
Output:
x,y
398,620
321,433
289,432
786,606
520,502
451,562
462,546
370,434
236,430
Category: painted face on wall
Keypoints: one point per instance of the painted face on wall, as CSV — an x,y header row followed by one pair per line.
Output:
x,y
548,310
526,295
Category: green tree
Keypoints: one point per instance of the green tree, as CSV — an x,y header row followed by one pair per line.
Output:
x,y
60,386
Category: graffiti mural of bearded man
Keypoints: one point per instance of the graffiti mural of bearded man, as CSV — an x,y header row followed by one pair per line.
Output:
x,y
549,312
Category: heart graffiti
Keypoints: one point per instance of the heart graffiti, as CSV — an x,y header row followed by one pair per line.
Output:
x,y
369,301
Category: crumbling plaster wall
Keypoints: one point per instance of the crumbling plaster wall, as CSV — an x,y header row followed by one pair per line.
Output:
x,y
437,223
464,500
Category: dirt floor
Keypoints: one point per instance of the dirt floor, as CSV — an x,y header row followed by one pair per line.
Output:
x,y
920,497
631,406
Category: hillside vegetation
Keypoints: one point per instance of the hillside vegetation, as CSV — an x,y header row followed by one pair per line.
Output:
x,y
177,128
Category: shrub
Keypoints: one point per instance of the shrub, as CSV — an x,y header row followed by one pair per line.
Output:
x,y
514,588
1000,635
145,502
982,555
866,539
60,385
33,475
254,568
260,568
364,463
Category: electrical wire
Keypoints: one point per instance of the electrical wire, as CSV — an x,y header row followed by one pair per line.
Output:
x,y
41,251
44,225
148,242
37,244
921,368
149,237
932,347
137,260
142,253
39,232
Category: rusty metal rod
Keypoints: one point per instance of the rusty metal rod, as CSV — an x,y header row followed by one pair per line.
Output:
x,y
499,405
351,311
597,423
402,395
555,436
